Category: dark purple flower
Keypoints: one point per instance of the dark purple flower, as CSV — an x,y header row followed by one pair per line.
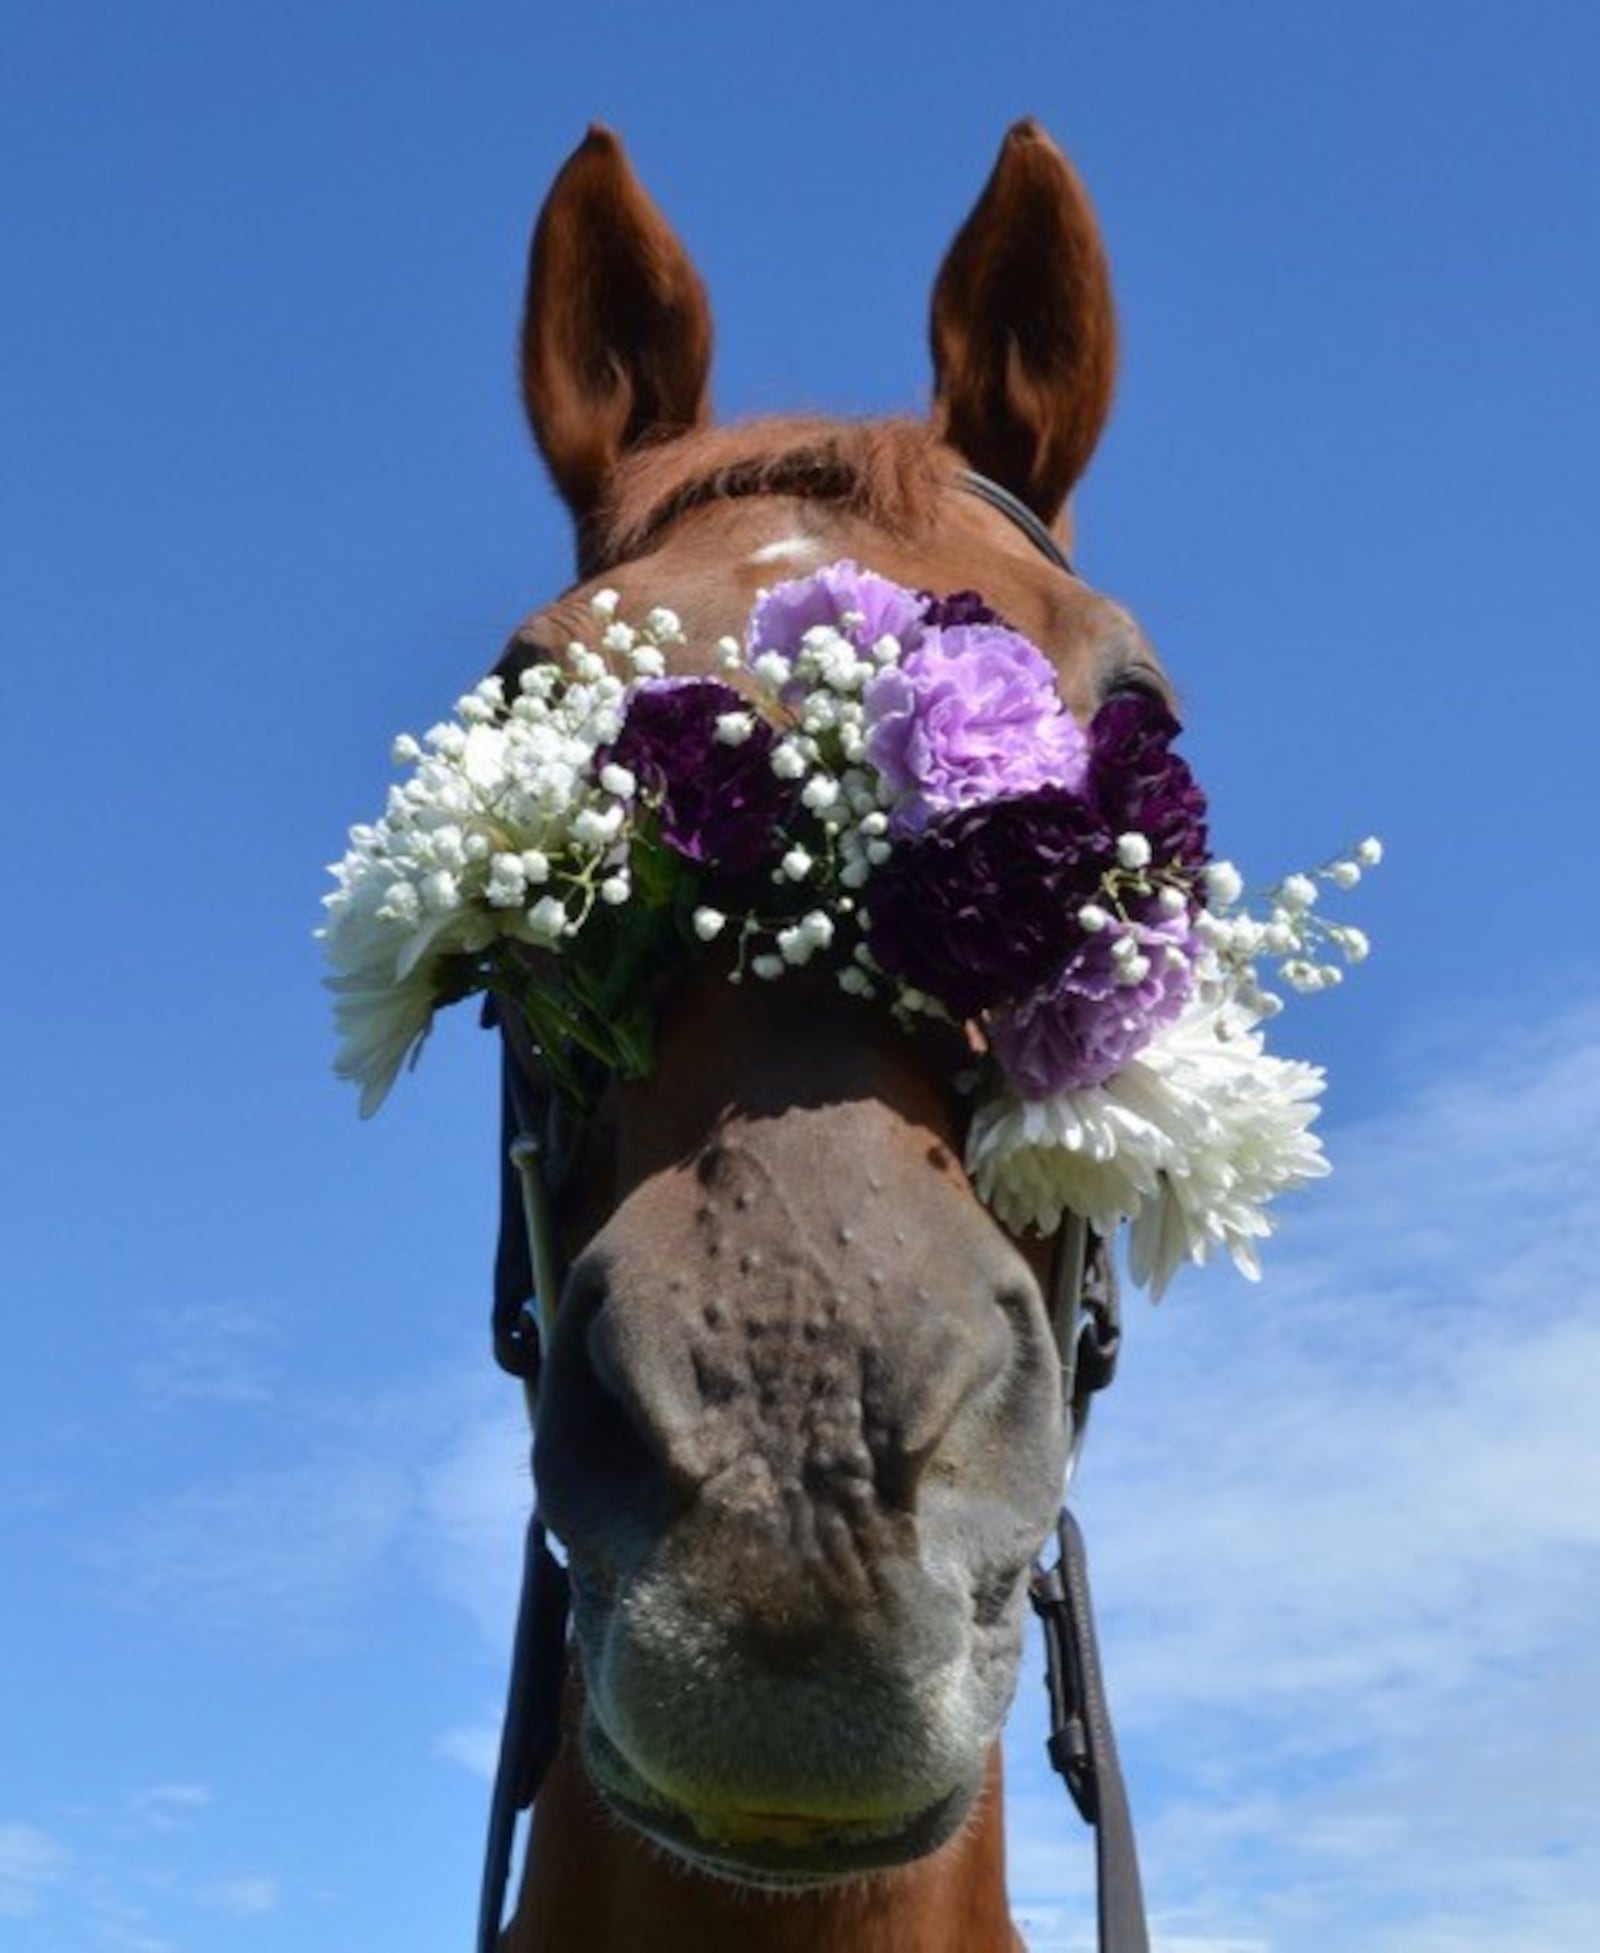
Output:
x,y
716,803
981,908
1141,785
960,607
831,596
972,715
1083,1026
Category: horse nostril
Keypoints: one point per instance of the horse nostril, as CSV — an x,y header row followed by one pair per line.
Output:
x,y
586,1369
616,1398
589,1329
599,1350
1031,1349
994,1594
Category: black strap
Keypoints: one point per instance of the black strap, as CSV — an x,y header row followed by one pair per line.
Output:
x,y
515,1330
531,1731
1017,513
1083,1748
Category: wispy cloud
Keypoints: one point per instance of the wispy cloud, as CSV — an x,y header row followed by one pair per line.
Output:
x,y
475,1494
30,1862
249,1897
428,1481
136,1884
293,1547
207,1353
475,1746
1346,1532
165,1806
125,1934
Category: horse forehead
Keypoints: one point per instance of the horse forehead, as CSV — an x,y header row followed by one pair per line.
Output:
x,y
715,561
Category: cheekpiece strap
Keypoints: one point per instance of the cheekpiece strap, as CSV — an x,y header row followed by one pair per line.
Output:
x,y
531,1731
1083,1748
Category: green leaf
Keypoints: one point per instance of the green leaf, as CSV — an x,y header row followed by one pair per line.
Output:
x,y
657,871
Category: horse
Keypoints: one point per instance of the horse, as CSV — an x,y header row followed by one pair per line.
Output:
x,y
800,1424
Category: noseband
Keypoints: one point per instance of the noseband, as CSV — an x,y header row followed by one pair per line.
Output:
x,y
538,1162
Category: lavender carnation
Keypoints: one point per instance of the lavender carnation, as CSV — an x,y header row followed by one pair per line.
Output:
x,y
857,603
971,715
716,803
980,908
1084,1025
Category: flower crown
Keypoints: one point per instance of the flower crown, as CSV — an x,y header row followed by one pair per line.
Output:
x,y
887,782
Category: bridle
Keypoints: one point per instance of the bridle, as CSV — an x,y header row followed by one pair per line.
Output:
x,y
539,1157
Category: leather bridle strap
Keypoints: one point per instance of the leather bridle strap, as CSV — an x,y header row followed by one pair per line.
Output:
x,y
528,1278
531,1732
1087,1320
1018,514
1083,1748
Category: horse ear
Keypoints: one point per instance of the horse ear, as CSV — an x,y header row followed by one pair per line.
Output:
x,y
1024,332
616,331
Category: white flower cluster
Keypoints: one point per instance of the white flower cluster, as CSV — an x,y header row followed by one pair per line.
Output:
x,y
1291,930
503,834
1192,1139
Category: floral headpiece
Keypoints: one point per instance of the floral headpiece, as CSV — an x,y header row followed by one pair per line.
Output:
x,y
887,782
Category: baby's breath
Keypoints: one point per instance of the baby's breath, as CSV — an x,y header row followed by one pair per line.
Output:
x,y
1289,928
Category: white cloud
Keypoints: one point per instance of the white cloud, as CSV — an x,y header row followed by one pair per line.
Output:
x,y
249,1896
122,1928
134,1880
30,1862
430,1478
475,1497
475,1746
1346,1534
210,1353
163,1806
296,1545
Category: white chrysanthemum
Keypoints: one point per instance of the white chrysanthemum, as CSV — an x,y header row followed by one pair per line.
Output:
x,y
380,1024
1188,1143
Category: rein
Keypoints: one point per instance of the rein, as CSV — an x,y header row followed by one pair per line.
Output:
x,y
537,1161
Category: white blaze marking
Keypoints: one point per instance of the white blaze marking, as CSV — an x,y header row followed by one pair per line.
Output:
x,y
792,549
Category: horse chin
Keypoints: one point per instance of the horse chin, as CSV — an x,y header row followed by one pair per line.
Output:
x,y
768,1850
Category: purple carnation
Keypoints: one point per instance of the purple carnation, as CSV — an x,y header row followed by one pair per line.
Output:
x,y
971,715
783,616
1083,1026
1141,785
960,607
716,803
981,908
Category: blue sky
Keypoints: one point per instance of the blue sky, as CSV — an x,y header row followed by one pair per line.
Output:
x,y
267,499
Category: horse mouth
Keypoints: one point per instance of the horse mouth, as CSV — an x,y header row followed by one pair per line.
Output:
x,y
778,1850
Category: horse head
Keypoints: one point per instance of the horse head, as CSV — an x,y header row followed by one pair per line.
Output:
x,y
801,1429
